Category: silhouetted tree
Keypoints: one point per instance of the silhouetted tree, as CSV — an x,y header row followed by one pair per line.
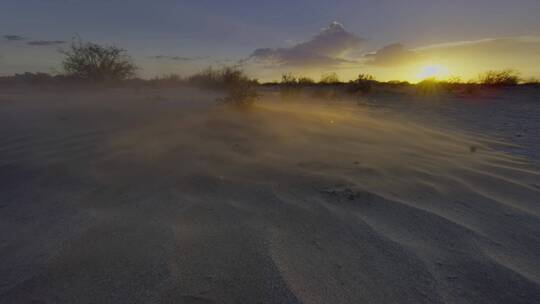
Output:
x,y
98,63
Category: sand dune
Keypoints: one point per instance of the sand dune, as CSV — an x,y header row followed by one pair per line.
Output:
x,y
120,197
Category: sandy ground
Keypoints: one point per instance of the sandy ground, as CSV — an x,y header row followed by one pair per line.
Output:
x,y
163,197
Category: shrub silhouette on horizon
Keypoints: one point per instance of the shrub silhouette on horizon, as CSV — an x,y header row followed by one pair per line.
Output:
x,y
222,78
241,95
330,78
290,87
241,91
305,81
428,86
98,63
500,78
288,79
363,84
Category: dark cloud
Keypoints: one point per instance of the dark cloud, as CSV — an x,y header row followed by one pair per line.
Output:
x,y
392,55
14,37
34,42
46,42
179,58
326,48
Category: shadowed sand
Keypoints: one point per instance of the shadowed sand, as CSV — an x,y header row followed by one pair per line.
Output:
x,y
120,197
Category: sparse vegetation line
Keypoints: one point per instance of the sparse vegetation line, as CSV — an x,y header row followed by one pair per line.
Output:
x,y
86,62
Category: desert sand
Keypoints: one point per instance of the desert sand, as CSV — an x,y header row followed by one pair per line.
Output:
x,y
162,196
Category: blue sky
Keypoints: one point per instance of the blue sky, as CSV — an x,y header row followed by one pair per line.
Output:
x,y
220,32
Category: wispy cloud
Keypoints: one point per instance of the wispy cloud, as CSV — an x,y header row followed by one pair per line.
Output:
x,y
326,48
179,58
46,42
391,55
14,37
503,45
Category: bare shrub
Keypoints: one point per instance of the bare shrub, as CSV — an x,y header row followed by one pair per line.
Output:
x,y
429,86
452,84
241,91
499,78
288,79
90,61
289,86
219,78
241,94
330,78
397,83
305,81
208,78
363,84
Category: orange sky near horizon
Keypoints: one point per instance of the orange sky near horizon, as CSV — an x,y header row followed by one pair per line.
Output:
x,y
465,60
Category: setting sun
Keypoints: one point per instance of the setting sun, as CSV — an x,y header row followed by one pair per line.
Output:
x,y
432,71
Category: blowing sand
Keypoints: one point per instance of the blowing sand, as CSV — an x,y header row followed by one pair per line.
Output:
x,y
130,197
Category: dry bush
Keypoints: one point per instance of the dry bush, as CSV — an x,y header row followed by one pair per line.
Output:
x,y
241,91
305,81
499,78
219,78
330,78
288,79
429,86
289,87
210,78
452,84
361,85
90,61
241,95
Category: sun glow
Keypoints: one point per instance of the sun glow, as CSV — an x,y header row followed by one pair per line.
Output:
x,y
433,71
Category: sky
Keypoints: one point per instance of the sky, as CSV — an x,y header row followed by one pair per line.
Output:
x,y
391,39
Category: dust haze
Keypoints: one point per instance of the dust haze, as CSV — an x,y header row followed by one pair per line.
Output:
x,y
165,196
